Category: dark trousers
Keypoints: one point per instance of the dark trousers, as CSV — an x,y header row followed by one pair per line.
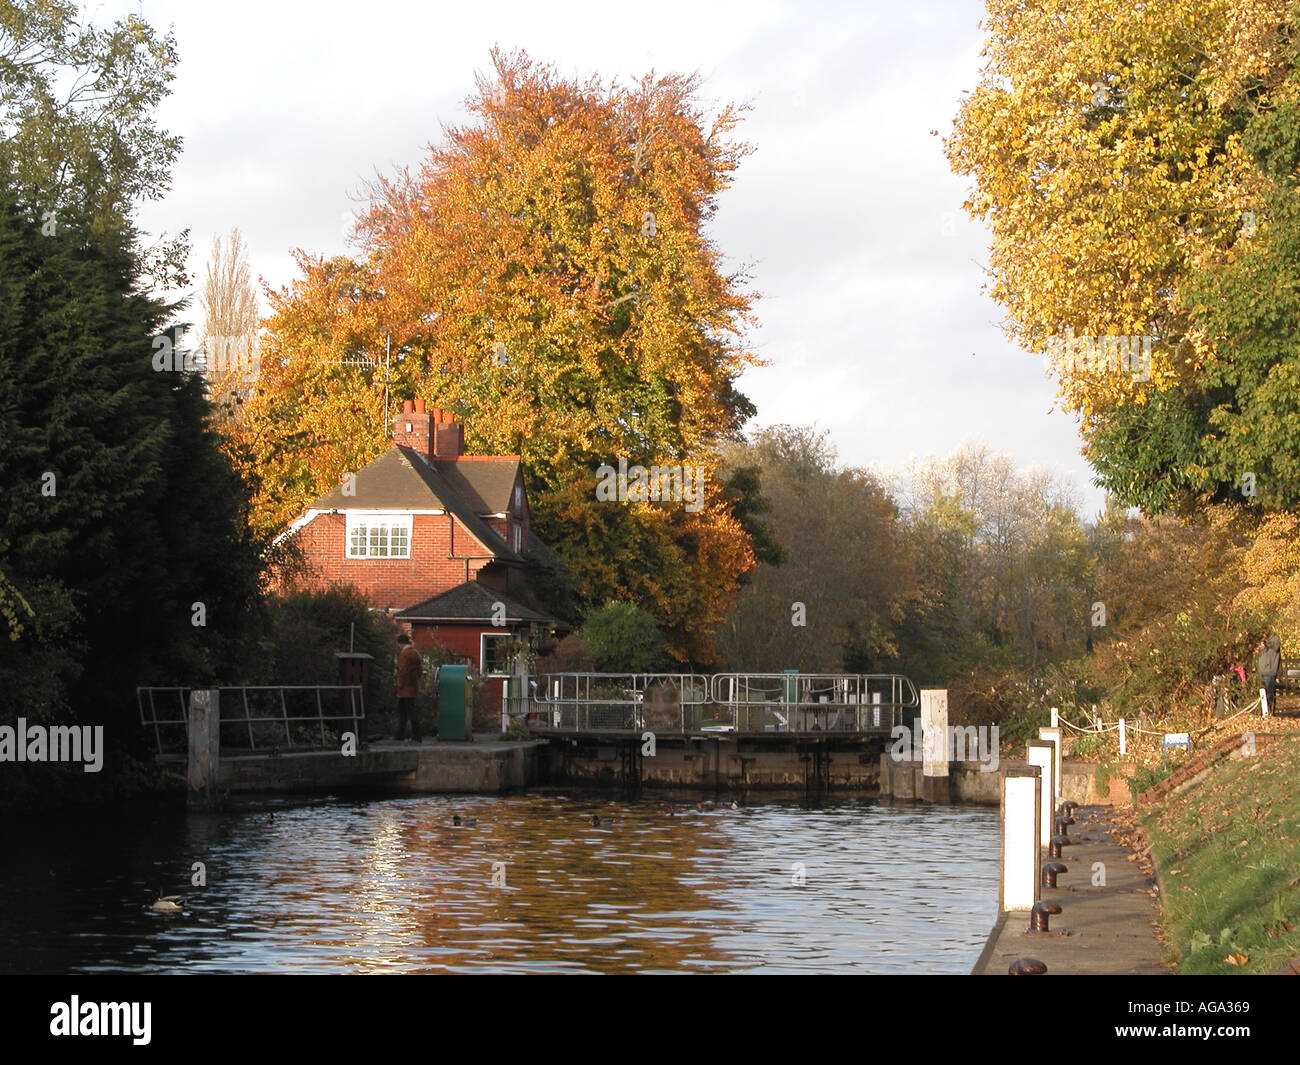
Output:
x,y
1270,687
406,715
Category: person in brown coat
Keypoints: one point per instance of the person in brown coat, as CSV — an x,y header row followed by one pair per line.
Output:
x,y
410,667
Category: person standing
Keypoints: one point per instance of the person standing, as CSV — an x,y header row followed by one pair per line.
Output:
x,y
410,667
1270,662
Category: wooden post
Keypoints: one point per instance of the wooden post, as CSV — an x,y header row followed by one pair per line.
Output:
x,y
1021,800
934,750
204,746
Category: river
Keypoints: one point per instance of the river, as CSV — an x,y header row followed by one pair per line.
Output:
x,y
393,885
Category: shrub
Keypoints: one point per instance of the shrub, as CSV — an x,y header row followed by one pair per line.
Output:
x,y
308,627
624,639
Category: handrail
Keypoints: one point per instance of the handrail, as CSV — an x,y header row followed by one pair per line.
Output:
x,y
354,710
744,703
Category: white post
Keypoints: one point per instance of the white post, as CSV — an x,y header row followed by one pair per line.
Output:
x,y
1263,700
1056,717
1123,738
1040,753
1053,735
1021,798
934,739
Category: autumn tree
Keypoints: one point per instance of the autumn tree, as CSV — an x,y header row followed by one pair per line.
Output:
x,y
547,275
1175,610
843,578
1115,154
1004,565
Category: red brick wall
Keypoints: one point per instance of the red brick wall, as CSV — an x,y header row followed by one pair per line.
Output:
x,y
420,438
391,583
463,640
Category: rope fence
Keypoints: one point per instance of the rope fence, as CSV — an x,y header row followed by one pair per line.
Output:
x,y
1096,727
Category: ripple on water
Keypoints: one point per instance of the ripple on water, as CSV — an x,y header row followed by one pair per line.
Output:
x,y
393,886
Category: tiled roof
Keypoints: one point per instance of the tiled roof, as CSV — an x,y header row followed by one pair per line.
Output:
x,y
400,479
484,483
471,601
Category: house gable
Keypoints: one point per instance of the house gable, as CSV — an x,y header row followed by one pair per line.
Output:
x,y
421,519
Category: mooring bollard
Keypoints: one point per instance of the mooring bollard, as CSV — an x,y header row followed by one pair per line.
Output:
x,y
1055,844
1039,915
1027,967
1062,826
1021,796
1068,807
1051,870
1040,753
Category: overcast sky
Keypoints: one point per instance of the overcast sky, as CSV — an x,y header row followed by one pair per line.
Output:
x,y
872,313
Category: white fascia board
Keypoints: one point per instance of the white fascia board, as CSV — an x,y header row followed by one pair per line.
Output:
x,y
382,510
297,524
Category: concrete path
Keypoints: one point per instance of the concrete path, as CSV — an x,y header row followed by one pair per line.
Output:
x,y
1101,930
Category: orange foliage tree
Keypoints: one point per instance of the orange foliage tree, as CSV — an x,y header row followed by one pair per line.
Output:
x,y
547,276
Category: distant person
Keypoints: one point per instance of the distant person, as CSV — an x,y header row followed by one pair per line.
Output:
x,y
1270,661
410,667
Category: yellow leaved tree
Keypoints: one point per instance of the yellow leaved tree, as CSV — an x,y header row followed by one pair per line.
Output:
x,y
548,276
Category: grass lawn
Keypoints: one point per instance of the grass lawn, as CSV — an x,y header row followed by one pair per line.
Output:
x,y
1228,849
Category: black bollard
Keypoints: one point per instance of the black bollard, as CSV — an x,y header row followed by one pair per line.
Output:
x,y
1038,916
1051,870
1054,847
1027,967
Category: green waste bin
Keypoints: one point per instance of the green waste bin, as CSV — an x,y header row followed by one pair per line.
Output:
x,y
453,703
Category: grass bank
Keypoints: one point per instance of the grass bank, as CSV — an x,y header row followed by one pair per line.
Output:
x,y
1228,850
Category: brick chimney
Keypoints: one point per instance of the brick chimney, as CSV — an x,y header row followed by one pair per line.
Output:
x,y
413,428
449,436
435,434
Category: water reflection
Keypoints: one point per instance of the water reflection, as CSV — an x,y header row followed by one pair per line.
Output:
x,y
395,886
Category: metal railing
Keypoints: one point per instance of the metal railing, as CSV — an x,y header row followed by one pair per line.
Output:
x,y
815,702
744,703
254,717
614,702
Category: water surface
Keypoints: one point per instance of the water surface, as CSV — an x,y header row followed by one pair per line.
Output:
x,y
391,885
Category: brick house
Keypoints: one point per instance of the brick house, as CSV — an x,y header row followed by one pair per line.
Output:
x,y
436,538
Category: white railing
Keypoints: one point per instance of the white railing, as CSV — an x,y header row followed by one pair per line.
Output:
x,y
744,703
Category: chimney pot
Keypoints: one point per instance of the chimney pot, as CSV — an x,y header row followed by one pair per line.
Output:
x,y
437,414
448,417
408,407
419,406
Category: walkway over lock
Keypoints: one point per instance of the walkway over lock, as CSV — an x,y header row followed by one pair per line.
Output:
x,y
748,704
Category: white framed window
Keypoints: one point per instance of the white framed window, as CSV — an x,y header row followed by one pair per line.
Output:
x,y
494,660
519,499
379,536
519,536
